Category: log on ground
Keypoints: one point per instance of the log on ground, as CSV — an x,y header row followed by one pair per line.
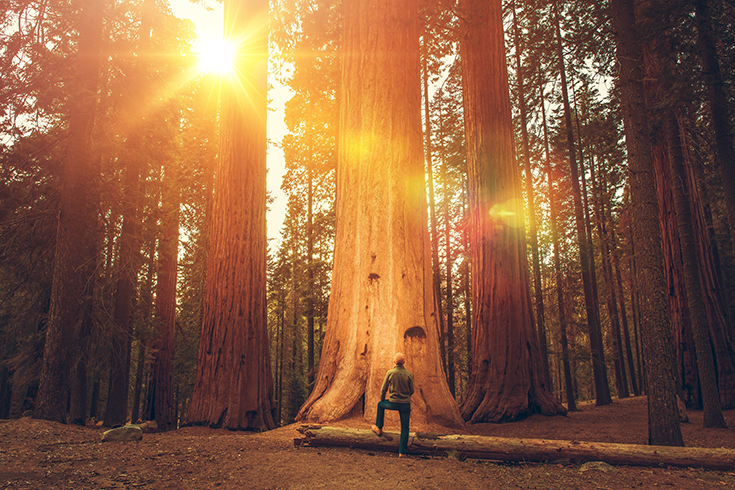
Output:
x,y
528,450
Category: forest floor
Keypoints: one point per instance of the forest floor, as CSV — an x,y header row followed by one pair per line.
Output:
x,y
40,454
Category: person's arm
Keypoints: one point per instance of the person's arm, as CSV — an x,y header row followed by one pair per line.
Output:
x,y
410,384
384,388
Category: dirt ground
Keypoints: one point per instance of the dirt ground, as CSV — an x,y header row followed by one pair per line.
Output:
x,y
40,454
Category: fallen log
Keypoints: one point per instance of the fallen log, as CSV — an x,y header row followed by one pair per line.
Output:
x,y
528,450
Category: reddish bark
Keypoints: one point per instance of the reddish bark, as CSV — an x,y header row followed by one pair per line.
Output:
x,y
234,387
382,300
506,380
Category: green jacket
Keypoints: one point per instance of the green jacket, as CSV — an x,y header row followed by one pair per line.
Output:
x,y
399,381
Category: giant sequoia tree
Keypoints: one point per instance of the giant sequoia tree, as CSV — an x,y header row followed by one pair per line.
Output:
x,y
506,380
381,299
234,386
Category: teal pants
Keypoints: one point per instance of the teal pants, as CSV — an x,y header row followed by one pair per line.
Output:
x,y
404,412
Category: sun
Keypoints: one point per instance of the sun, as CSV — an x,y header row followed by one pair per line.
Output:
x,y
215,56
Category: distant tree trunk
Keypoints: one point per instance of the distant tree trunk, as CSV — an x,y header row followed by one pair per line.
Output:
x,y
161,407
466,275
718,107
146,297
663,413
130,246
77,219
128,265
602,390
700,325
558,275
537,287
382,300
310,369
507,380
450,292
233,387
623,310
435,266
607,272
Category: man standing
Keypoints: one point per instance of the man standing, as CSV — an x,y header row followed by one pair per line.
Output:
x,y
399,381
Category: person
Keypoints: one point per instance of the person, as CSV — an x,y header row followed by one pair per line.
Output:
x,y
399,383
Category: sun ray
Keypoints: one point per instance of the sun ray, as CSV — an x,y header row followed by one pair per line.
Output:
x,y
215,56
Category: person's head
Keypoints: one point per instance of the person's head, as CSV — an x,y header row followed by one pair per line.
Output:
x,y
400,359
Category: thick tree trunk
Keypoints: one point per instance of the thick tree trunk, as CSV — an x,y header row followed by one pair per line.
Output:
x,y
700,323
602,390
509,449
77,218
234,387
722,346
663,413
382,300
506,380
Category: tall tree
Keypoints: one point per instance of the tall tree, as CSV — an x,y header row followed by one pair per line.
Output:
x,y
160,386
77,217
602,389
506,380
234,386
721,122
530,198
663,414
382,300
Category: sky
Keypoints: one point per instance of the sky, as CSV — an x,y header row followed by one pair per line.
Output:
x,y
208,23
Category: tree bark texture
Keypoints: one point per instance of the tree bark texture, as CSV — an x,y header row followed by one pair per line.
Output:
x,y
77,217
663,413
161,384
234,387
510,449
722,345
382,299
506,380
701,324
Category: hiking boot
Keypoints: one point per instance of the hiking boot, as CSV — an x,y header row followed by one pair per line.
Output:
x,y
378,431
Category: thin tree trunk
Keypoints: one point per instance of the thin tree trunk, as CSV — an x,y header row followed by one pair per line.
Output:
x,y
553,205
448,275
310,369
435,265
537,289
160,387
602,390
607,272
